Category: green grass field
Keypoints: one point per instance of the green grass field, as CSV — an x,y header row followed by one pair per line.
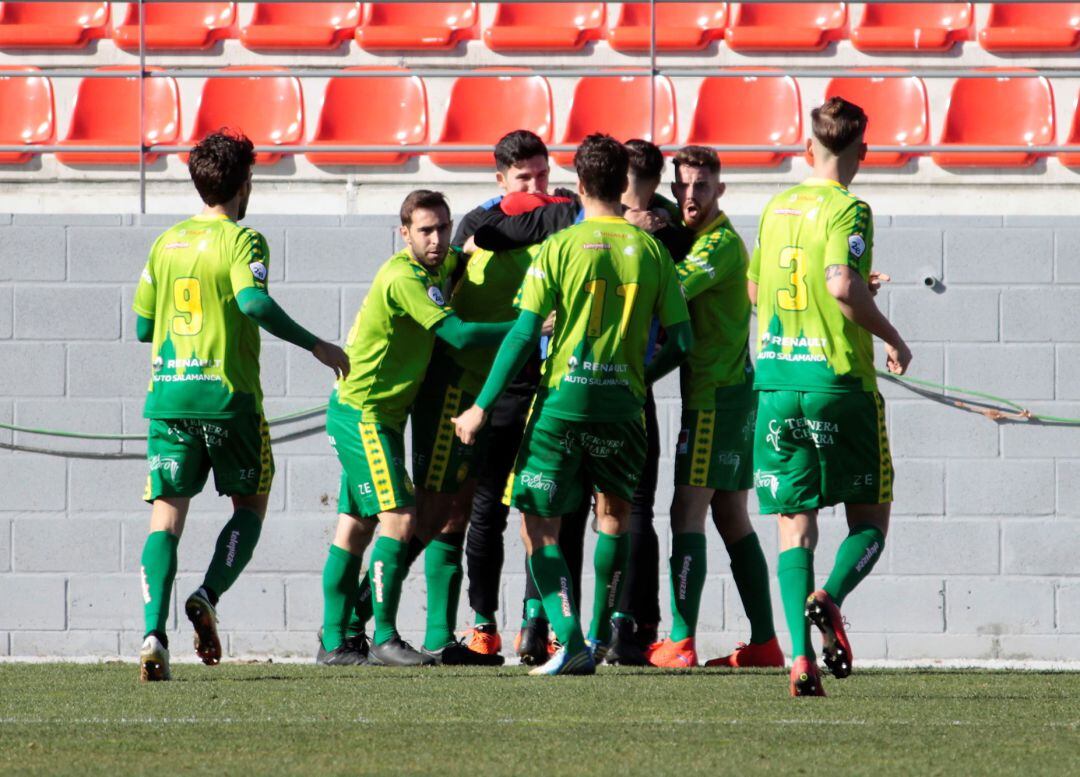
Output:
x,y
259,719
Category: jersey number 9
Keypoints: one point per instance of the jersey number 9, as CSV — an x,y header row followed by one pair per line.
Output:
x,y
187,299
795,298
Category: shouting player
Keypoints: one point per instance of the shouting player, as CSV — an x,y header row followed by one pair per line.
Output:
x,y
604,279
820,438
389,348
201,300
713,459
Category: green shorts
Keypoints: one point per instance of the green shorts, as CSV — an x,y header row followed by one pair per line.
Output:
x,y
183,451
373,479
547,476
716,446
441,462
813,449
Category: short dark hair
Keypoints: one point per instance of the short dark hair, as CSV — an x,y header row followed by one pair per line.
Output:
x,y
422,198
517,146
220,164
602,164
646,161
838,123
696,156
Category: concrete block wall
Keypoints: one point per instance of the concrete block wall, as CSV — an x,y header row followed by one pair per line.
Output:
x,y
981,561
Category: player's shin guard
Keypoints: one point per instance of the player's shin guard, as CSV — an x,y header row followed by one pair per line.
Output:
x,y
751,573
688,567
339,582
609,562
235,546
548,569
795,571
855,558
362,609
158,567
443,573
388,570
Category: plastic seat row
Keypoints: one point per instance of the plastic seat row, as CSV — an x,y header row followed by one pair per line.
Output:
x,y
395,113
545,26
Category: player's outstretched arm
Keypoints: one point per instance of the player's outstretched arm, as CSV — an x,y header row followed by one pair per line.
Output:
x,y
144,329
680,339
512,355
497,231
261,308
470,334
856,302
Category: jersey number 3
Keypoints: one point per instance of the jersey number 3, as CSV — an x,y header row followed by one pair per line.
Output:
x,y
795,298
187,299
597,288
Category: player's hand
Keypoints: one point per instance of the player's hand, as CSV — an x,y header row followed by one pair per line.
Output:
x,y
876,279
469,424
333,357
897,358
547,329
470,246
644,219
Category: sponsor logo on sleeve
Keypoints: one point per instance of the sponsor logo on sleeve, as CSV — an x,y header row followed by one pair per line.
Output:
x,y
436,296
258,269
146,276
856,245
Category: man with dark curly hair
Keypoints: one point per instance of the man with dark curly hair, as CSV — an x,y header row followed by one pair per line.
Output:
x,y
201,301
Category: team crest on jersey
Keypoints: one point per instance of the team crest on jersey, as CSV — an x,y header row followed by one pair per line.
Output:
x,y
258,269
856,245
436,296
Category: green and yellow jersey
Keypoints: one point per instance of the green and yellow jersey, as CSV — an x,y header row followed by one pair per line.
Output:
x,y
390,342
205,354
713,279
486,294
605,279
804,342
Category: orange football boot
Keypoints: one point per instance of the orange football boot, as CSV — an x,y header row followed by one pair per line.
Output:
x,y
483,642
835,646
673,655
805,680
754,654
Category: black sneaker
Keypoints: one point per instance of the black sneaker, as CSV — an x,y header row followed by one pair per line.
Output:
x,y
624,649
359,643
645,635
532,642
458,654
397,652
339,656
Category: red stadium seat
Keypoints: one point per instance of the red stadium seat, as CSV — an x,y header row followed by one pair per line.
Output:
x,y
786,26
394,113
27,113
52,25
177,25
300,25
544,26
482,110
268,109
1017,111
914,26
897,112
397,26
1032,27
679,26
721,117
106,113
1072,158
619,106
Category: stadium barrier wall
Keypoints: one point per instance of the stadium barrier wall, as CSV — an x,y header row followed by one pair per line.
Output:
x,y
980,563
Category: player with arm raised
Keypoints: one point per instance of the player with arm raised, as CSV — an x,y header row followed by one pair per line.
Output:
x,y
820,437
604,279
201,300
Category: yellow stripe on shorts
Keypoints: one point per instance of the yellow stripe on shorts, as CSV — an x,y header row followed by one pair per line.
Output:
x,y
377,466
703,442
885,473
508,492
266,459
444,440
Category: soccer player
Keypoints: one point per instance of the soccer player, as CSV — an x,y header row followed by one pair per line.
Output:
x,y
604,279
820,437
201,300
713,458
389,348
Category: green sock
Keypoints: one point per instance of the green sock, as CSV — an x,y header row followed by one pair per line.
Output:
x,y
158,571
387,573
362,610
795,570
855,558
688,567
609,561
485,619
339,583
534,608
553,581
751,574
442,570
235,546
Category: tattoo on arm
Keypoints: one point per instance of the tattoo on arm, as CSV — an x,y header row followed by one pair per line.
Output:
x,y
832,271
